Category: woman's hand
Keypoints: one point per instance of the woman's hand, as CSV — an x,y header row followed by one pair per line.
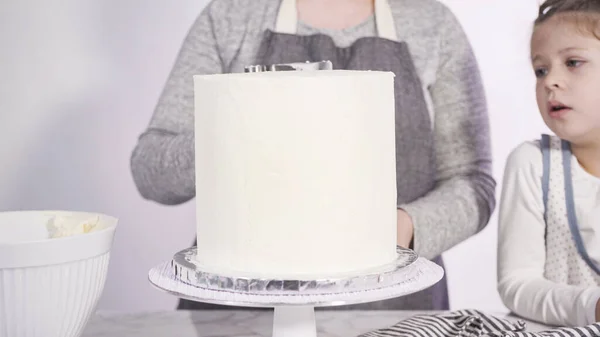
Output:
x,y
405,229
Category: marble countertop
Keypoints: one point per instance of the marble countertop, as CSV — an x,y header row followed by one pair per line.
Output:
x,y
242,323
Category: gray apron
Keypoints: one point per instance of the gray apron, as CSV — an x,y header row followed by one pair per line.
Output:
x,y
415,162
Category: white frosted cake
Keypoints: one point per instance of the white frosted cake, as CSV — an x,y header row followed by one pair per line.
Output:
x,y
295,172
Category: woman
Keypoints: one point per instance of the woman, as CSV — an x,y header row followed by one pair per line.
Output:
x,y
445,187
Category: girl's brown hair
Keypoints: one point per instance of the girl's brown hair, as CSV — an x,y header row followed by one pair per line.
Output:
x,y
585,13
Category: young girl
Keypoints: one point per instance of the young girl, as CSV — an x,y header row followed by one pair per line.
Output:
x,y
549,221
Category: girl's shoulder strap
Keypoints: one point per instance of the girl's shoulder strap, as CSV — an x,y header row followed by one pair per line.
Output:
x,y
545,147
570,205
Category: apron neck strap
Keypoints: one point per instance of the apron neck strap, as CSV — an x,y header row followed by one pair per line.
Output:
x,y
287,19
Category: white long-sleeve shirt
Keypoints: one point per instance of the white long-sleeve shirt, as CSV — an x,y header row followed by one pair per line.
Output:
x,y
522,248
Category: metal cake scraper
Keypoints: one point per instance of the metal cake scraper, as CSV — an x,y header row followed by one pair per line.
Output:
x,y
294,66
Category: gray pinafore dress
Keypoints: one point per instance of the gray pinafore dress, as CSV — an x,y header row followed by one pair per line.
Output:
x,y
415,162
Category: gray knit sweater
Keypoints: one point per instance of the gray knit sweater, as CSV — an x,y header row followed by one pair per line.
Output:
x,y
225,37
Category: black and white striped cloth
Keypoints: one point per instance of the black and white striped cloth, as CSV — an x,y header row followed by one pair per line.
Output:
x,y
473,323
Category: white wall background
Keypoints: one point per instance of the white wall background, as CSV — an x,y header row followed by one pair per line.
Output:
x,y
78,83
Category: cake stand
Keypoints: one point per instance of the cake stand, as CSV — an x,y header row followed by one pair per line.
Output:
x,y
294,300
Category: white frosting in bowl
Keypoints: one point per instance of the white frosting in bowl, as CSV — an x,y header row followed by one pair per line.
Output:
x,y
42,238
62,226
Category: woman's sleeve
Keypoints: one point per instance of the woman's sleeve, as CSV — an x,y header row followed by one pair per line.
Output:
x,y
463,199
162,163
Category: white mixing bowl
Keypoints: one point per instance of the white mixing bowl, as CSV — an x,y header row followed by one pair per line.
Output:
x,y
50,287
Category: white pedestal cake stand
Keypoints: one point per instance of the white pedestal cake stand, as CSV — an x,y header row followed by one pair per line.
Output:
x,y
294,300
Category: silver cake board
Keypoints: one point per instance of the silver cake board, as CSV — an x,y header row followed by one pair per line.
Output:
x,y
294,300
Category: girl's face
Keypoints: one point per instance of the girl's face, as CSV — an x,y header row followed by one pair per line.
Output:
x,y
566,62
